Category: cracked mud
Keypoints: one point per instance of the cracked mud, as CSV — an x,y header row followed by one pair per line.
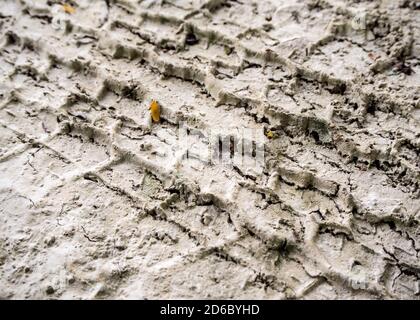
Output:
x,y
94,206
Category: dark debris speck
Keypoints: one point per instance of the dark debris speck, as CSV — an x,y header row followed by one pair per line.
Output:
x,y
191,39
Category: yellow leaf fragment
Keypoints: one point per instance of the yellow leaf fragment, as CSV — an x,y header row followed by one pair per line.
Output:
x,y
269,134
68,9
155,111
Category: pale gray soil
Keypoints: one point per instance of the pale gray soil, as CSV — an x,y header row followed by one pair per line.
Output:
x,y
94,205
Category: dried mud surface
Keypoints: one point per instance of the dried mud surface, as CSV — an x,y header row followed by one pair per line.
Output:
x,y
92,206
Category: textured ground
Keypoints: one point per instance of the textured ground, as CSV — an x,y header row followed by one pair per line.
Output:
x,y
93,204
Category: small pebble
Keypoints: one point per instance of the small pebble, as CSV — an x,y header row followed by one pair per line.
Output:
x,y
191,39
50,290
